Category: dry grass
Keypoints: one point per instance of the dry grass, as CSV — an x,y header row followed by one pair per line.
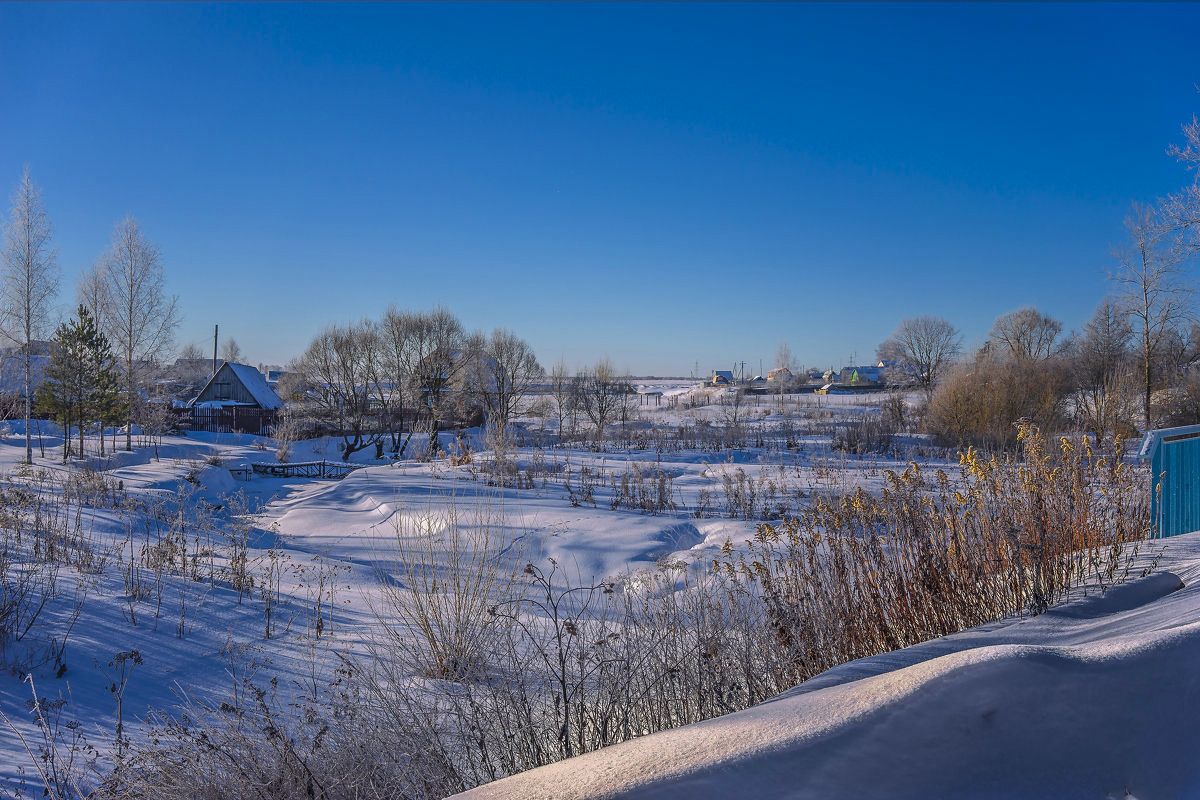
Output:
x,y
930,556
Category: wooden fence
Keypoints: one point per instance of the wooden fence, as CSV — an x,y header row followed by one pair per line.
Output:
x,y
230,419
242,419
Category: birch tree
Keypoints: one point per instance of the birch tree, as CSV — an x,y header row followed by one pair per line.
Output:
x,y
91,292
139,316
30,282
1152,288
1181,210
231,351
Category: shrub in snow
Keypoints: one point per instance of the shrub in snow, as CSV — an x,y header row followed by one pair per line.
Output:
x,y
981,402
930,556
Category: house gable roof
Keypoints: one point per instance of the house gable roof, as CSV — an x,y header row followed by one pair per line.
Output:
x,y
254,383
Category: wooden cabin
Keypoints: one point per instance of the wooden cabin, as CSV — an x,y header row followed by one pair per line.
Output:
x,y
236,398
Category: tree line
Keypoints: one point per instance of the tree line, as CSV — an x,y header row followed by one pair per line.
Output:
x,y
378,381
375,380
1132,364
124,322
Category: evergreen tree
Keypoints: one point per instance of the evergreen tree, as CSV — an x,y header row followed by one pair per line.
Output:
x,y
81,380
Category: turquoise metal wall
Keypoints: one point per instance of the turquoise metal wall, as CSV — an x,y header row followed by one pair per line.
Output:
x,y
1175,460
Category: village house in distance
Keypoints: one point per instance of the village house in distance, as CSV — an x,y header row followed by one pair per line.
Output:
x,y
863,379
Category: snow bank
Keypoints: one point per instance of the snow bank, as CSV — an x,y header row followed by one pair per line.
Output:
x,y
1096,699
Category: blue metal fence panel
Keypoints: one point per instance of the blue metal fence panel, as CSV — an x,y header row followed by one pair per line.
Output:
x,y
1181,463
1174,456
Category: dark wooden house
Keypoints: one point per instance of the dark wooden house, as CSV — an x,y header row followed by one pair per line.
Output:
x,y
236,398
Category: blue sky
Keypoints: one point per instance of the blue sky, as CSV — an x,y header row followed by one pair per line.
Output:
x,y
663,184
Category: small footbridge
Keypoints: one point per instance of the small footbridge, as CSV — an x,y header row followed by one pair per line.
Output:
x,y
307,469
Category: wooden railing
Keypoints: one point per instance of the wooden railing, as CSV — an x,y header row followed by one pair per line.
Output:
x,y
307,469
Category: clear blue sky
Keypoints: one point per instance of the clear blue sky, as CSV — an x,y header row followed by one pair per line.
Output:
x,y
663,184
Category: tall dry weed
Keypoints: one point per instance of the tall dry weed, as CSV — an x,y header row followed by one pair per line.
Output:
x,y
930,555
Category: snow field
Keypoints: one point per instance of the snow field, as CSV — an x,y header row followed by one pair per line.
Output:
x,y
333,547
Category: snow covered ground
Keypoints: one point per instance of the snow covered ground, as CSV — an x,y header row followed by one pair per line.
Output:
x,y
1095,699
1082,701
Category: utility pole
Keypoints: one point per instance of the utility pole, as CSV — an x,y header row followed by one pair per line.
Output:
x,y
215,327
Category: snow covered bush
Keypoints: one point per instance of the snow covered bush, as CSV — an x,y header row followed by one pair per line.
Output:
x,y
435,614
258,745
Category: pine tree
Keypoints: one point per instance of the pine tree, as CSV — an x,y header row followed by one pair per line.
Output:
x,y
81,383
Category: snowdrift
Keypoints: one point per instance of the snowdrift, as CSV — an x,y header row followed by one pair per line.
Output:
x,y
1096,699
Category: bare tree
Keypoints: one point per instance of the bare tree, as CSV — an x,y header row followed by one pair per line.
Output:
x,y
562,387
1152,288
91,292
139,317
732,403
1103,350
193,364
601,395
337,368
1026,334
378,385
231,352
507,371
784,359
625,395
286,431
928,345
438,342
1103,368
398,357
1180,211
192,352
30,281
190,370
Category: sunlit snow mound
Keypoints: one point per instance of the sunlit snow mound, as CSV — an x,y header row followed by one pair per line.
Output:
x,y
1096,699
